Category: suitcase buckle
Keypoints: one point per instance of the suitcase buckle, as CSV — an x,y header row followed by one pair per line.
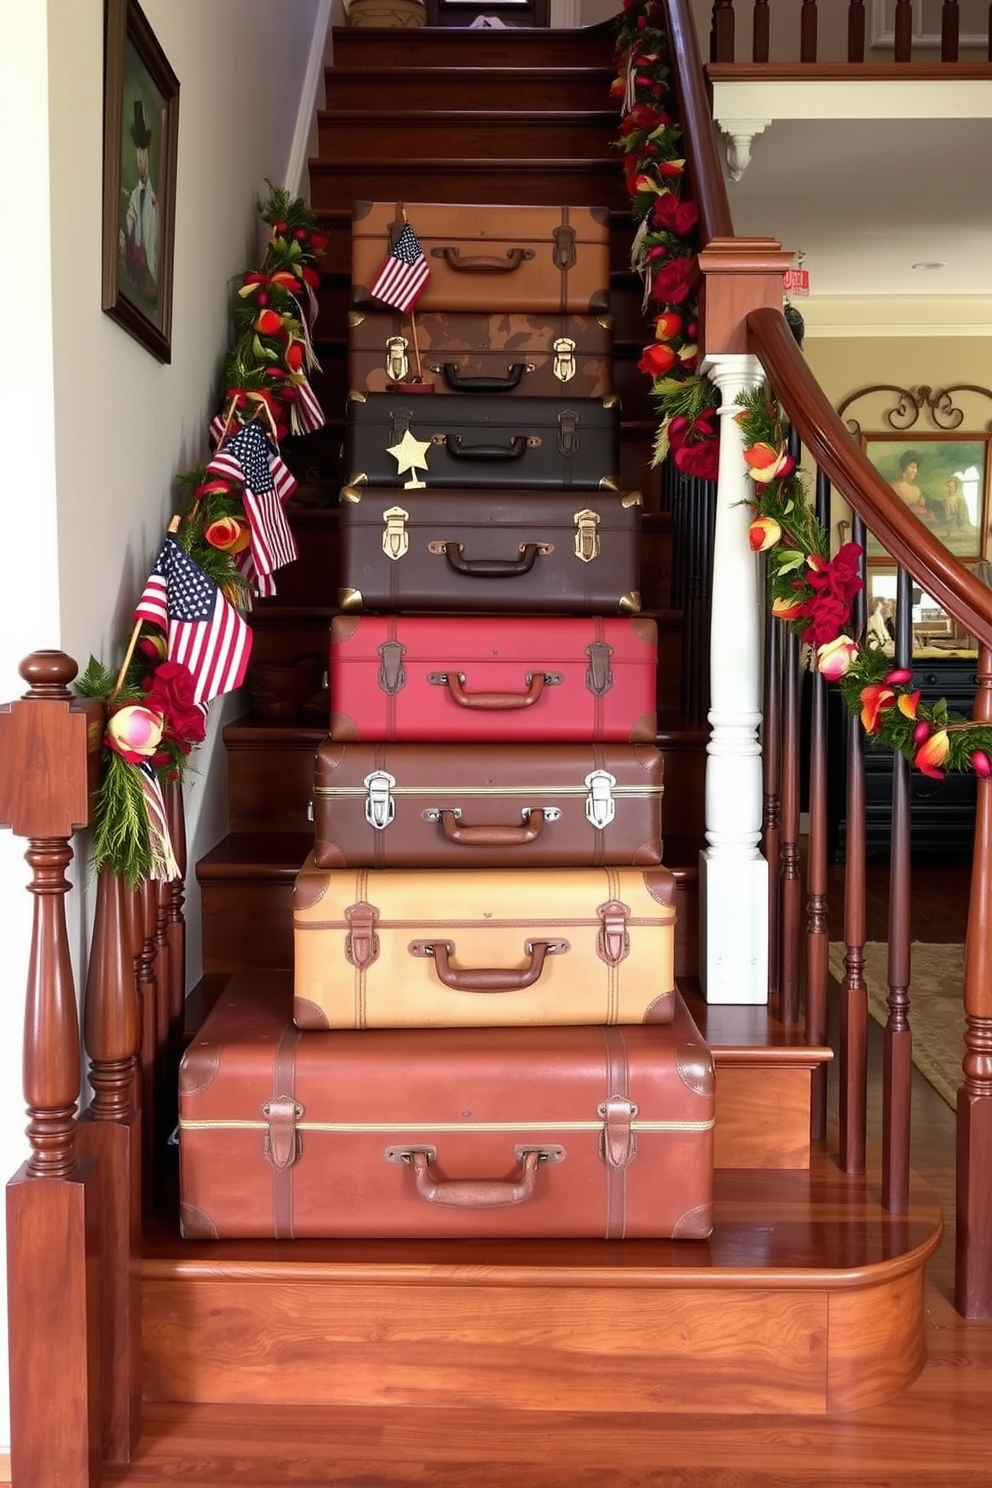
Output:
x,y
613,942
395,539
361,944
599,676
380,807
282,1143
586,545
392,674
618,1143
568,432
600,805
564,358
563,253
397,361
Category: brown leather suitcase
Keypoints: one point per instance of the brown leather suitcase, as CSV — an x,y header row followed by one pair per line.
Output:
x,y
601,1133
440,947
516,443
512,678
466,351
537,552
487,805
486,257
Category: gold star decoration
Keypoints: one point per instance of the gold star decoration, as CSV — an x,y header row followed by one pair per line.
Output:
x,y
410,454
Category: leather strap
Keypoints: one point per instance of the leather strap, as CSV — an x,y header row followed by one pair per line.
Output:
x,y
616,1153
284,1143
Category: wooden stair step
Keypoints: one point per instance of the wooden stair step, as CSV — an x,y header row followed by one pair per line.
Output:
x,y
357,135
509,89
373,47
782,1311
590,182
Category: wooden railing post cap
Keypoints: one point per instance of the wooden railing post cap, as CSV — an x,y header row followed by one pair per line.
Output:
x,y
48,673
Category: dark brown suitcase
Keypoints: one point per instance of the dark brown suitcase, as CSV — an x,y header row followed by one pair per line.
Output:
x,y
430,1133
540,552
486,257
465,351
478,441
487,805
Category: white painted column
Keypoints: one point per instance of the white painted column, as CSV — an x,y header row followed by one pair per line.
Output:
x,y
733,876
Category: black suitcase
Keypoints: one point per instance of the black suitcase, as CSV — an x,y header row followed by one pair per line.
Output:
x,y
490,550
482,441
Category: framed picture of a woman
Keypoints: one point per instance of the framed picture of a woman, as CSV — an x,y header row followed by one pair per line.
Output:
x,y
141,132
942,479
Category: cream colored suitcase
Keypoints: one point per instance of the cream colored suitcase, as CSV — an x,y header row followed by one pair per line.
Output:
x,y
429,948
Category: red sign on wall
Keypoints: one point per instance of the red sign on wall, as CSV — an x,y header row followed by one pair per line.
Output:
x,y
796,281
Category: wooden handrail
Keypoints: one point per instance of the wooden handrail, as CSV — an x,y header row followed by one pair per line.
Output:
x,y
705,175
850,471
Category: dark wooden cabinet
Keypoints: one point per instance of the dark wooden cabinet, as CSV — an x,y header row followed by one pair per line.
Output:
x,y
942,811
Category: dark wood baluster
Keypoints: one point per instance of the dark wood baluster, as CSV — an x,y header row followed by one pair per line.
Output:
x,y
973,1234
853,1052
791,886
950,31
722,31
49,745
759,31
807,31
771,826
817,942
897,1039
903,50
856,31
109,1133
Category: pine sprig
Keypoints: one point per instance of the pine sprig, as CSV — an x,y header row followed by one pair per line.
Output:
x,y
120,833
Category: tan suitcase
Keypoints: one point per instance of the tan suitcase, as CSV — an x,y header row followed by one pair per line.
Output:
x,y
431,948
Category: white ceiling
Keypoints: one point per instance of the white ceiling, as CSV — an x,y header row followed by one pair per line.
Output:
x,y
866,198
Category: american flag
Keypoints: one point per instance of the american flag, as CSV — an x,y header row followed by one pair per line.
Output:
x,y
247,459
404,274
205,633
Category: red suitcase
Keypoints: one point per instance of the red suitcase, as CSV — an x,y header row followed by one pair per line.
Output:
x,y
495,678
474,352
443,1133
487,805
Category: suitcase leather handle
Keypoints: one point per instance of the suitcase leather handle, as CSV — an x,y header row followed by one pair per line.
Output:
x,y
492,836
460,384
483,978
494,701
480,264
492,568
512,451
475,1193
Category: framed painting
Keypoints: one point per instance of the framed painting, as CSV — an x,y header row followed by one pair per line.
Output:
x,y
943,479
140,138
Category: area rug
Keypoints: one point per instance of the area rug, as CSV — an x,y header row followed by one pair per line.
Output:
x,y
936,1009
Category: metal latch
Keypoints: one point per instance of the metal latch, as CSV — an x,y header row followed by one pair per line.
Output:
x,y
392,673
380,807
586,545
397,362
599,674
395,539
563,253
600,805
613,941
564,359
618,1142
568,432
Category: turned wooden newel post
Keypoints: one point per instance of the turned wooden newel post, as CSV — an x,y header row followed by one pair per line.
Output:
x,y
110,1133
49,763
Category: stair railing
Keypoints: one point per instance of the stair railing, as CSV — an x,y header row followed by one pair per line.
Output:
x,y
802,31
742,326
74,1207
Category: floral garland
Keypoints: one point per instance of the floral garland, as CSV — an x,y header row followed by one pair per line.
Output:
x,y
665,248
229,532
812,593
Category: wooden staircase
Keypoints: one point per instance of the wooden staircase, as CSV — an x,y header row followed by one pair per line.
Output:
x,y
808,1298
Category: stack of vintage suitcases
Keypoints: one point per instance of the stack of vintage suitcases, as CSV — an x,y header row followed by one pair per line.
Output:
x,y
485,1038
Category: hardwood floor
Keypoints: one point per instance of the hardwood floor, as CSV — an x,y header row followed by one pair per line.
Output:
x,y
939,1431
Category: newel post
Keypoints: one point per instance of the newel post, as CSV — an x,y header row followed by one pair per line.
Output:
x,y
49,758
739,275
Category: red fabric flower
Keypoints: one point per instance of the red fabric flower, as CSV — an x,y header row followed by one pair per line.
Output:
x,y
658,359
676,216
672,283
172,695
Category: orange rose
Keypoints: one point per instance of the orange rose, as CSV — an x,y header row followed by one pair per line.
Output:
x,y
764,532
